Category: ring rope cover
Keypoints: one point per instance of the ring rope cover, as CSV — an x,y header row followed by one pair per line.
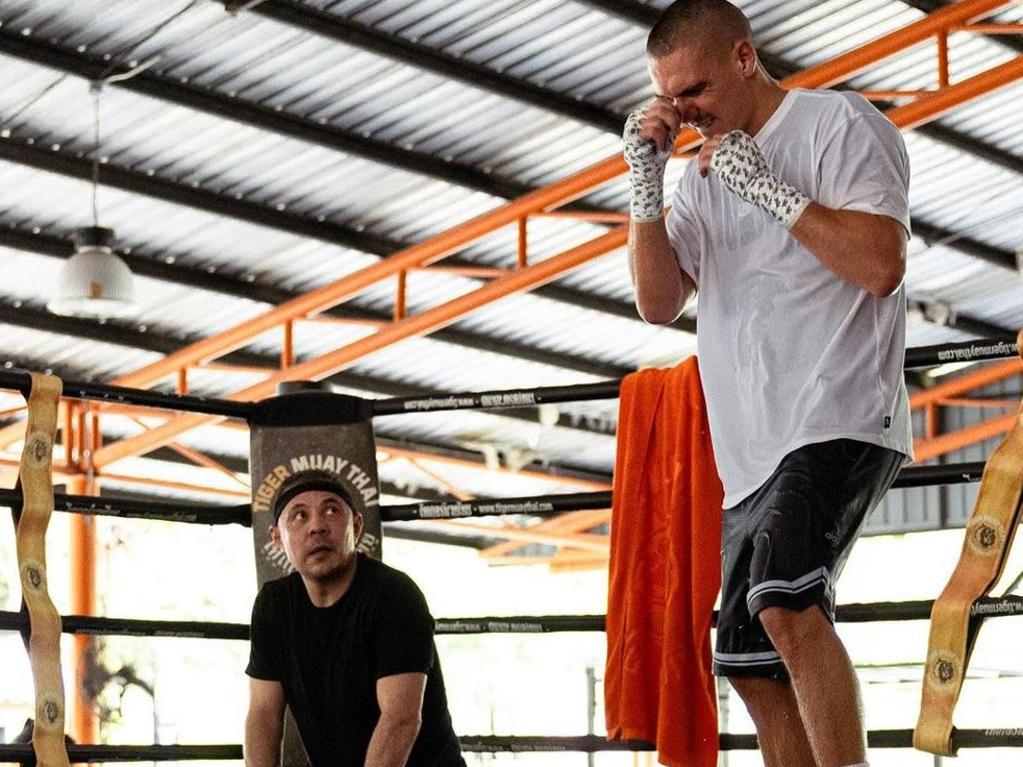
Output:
x,y
44,643
989,535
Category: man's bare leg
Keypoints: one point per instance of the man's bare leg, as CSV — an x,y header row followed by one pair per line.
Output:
x,y
824,682
780,731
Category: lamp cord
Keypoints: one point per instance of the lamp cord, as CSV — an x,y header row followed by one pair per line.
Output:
x,y
95,154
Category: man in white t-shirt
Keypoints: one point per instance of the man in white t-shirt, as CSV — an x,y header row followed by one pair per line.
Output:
x,y
792,223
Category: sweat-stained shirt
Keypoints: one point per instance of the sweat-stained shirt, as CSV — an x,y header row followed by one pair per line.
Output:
x,y
790,353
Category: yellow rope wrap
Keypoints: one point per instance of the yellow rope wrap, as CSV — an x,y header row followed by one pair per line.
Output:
x,y
989,536
44,644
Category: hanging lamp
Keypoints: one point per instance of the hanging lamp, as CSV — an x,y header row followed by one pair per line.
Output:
x,y
95,281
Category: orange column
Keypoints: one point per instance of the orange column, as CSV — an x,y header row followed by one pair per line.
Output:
x,y
83,723
83,602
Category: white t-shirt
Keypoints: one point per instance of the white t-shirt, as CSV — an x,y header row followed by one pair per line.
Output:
x,y
790,353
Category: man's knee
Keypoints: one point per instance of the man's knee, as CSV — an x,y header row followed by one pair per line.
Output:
x,y
757,691
791,630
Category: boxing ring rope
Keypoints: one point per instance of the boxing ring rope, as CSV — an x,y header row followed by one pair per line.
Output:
x,y
980,350
240,514
991,738
491,744
988,607
866,612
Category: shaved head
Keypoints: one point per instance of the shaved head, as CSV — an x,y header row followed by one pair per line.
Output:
x,y
715,24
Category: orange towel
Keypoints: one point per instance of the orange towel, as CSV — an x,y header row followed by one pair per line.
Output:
x,y
665,570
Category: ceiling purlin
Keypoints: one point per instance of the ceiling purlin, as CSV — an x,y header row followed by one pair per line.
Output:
x,y
350,32
298,127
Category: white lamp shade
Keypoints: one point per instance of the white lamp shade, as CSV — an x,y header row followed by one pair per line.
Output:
x,y
94,282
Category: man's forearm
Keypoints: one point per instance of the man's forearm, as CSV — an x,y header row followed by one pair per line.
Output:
x,y
661,290
263,741
865,249
862,248
392,741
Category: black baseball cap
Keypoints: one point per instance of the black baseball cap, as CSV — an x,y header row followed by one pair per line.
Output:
x,y
304,481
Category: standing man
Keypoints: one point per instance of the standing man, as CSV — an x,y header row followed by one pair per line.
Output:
x,y
792,224
346,642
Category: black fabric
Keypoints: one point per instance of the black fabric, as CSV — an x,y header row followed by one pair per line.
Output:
x,y
328,659
310,408
785,545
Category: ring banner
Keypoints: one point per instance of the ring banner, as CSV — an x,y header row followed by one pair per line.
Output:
x,y
36,481
310,430
954,624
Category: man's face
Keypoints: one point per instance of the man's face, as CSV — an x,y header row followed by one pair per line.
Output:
x,y
706,85
318,532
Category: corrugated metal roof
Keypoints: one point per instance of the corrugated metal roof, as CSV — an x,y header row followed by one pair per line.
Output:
x,y
569,48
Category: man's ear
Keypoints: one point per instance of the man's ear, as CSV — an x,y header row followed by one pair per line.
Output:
x,y
358,524
746,55
275,534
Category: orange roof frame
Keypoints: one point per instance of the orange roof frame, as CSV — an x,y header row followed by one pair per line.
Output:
x,y
540,201
907,116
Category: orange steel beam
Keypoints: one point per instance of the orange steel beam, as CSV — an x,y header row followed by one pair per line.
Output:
x,y
84,727
559,564
597,543
415,325
288,345
585,484
981,403
989,374
225,367
135,411
918,112
67,437
935,445
855,61
563,561
200,459
874,95
455,491
184,487
991,29
539,201
908,115
931,421
577,521
95,434
15,432
401,296
472,272
971,435
11,463
326,319
206,462
596,216
81,444
523,252
83,565
943,76
66,474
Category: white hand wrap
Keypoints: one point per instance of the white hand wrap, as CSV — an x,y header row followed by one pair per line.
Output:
x,y
646,170
740,165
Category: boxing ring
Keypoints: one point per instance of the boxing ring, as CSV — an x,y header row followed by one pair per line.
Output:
x,y
980,609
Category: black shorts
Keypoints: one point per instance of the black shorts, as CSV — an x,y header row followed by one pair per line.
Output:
x,y
786,543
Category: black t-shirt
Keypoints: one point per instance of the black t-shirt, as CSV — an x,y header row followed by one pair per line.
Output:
x,y
328,659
